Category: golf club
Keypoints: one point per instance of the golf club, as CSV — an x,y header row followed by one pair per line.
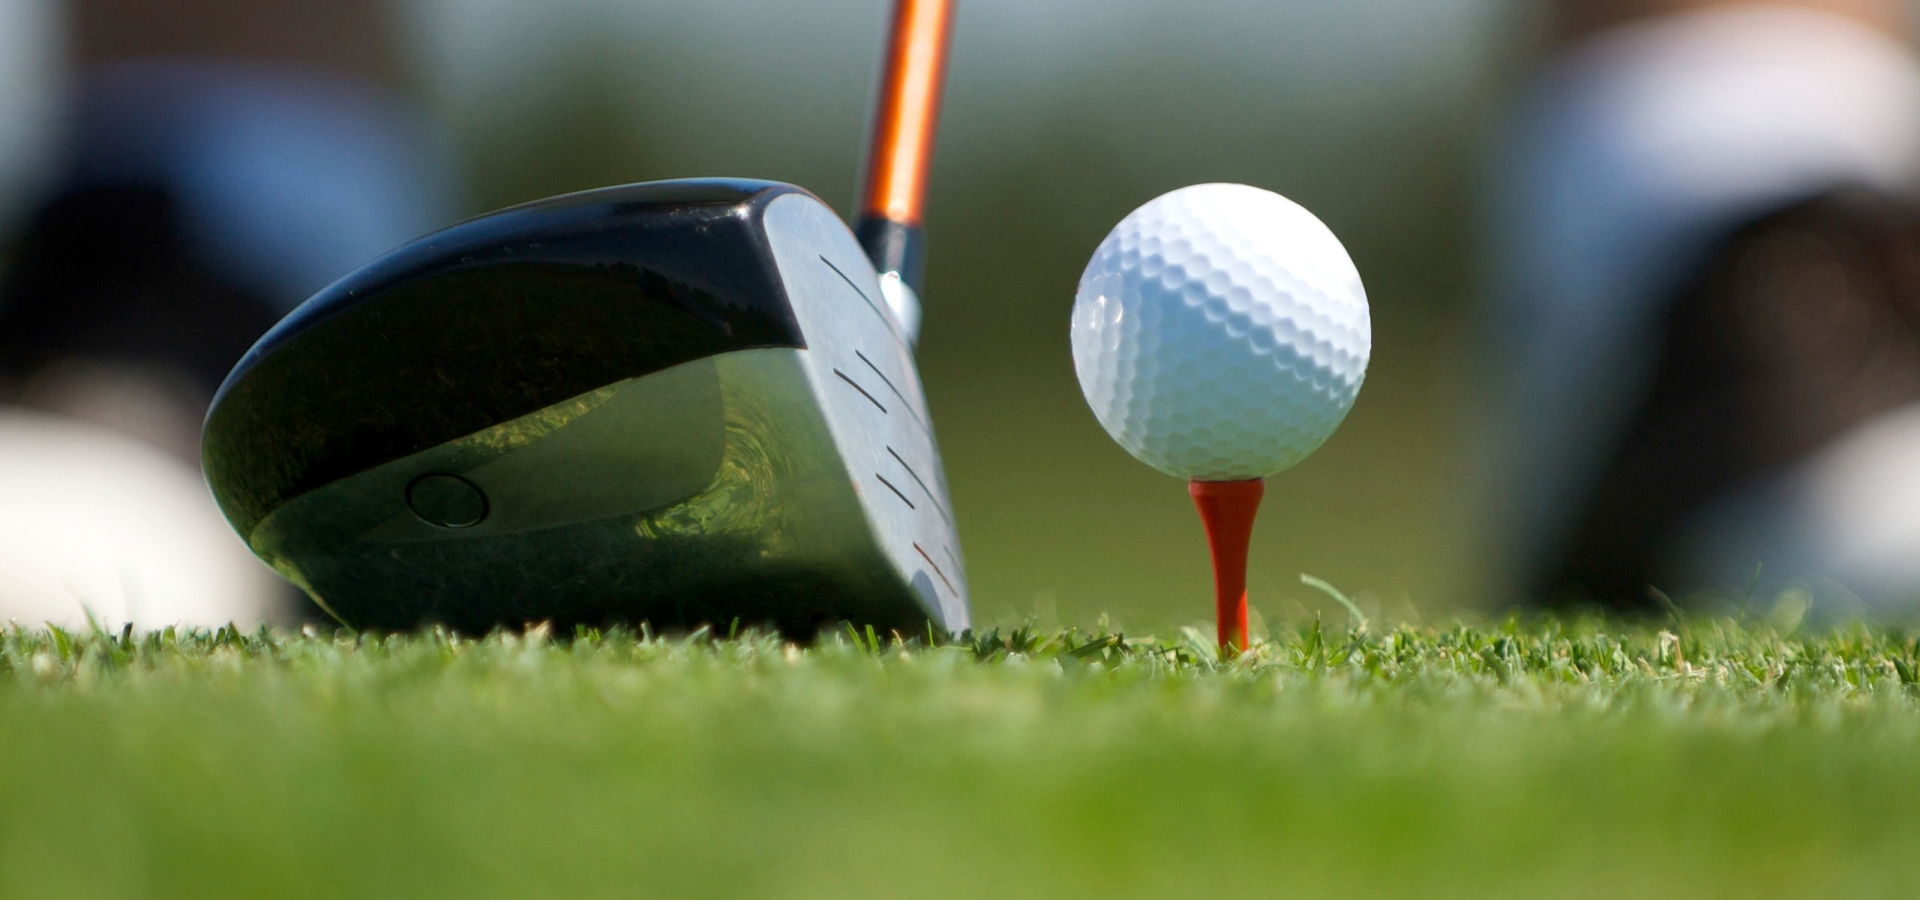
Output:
x,y
678,402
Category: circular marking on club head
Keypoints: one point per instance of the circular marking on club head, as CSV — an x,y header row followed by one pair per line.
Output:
x,y
447,501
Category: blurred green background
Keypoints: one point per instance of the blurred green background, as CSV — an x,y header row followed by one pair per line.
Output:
x,y
1060,118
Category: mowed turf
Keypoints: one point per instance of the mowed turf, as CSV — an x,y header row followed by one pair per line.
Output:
x,y
1521,759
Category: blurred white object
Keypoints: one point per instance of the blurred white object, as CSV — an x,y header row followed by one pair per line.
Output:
x,y
1630,158
95,522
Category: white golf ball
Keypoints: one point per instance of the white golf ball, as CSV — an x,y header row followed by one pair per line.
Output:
x,y
1221,333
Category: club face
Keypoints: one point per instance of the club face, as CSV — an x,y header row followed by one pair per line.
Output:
x,y
678,402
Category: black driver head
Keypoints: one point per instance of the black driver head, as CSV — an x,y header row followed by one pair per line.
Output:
x,y
679,402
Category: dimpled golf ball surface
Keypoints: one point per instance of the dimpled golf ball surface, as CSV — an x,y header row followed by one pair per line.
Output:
x,y
1221,333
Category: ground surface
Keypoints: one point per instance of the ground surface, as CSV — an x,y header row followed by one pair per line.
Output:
x,y
1699,759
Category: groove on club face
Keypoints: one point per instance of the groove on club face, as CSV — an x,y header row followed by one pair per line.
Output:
x,y
637,383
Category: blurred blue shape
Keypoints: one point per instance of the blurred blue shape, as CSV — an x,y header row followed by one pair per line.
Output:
x,y
285,179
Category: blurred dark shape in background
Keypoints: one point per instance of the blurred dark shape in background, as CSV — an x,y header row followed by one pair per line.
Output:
x,y
1802,326
1576,20
1706,308
351,40
223,160
201,200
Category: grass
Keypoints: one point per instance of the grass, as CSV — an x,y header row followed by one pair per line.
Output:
x,y
1527,758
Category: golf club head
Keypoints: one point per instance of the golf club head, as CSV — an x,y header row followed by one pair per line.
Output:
x,y
679,402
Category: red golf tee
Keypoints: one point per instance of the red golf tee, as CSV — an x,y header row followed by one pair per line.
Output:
x,y
1227,509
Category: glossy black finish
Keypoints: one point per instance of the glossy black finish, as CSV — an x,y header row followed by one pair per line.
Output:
x,y
489,320
894,247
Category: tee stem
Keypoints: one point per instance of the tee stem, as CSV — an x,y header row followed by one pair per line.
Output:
x,y
1227,509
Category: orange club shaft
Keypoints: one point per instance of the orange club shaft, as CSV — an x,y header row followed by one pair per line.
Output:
x,y
907,111
1227,509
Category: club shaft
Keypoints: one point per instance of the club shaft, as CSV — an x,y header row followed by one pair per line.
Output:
x,y
900,145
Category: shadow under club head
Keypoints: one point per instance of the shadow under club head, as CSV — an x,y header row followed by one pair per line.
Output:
x,y
677,402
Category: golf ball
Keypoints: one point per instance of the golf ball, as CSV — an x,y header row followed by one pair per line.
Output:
x,y
1221,333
